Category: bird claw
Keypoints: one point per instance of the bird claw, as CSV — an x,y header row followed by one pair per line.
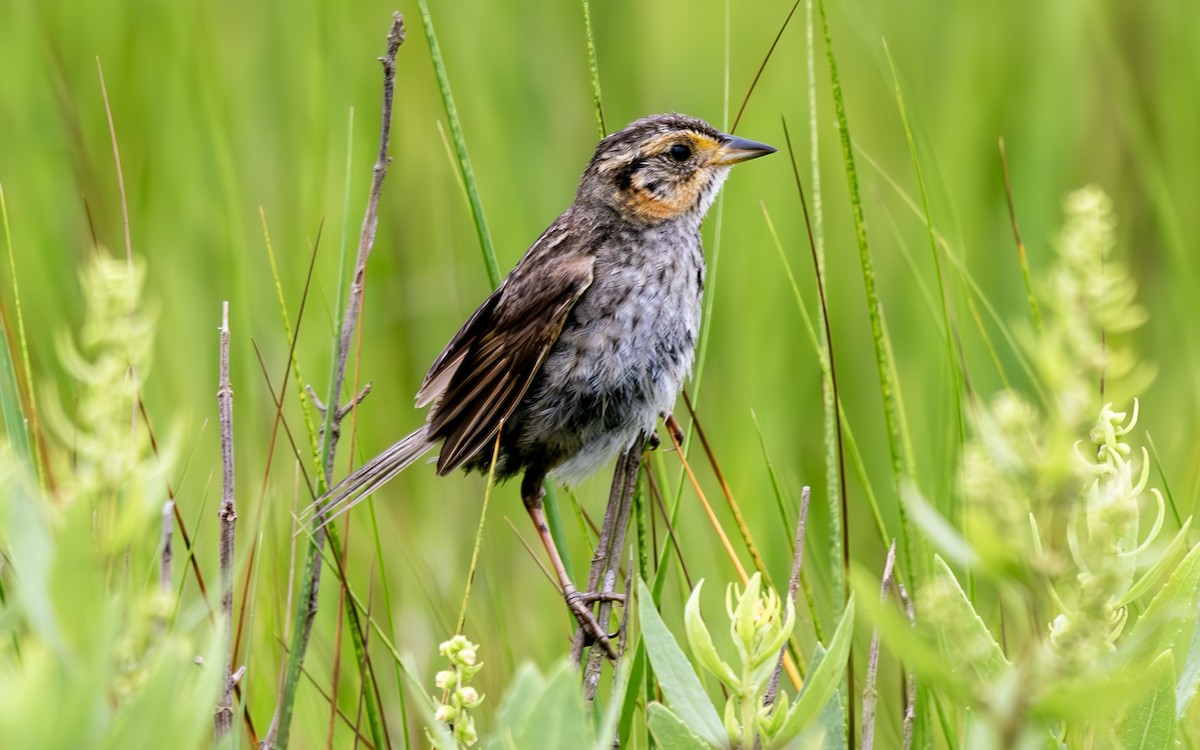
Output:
x,y
579,604
591,597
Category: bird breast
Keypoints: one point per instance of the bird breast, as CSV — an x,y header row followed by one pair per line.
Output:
x,y
623,354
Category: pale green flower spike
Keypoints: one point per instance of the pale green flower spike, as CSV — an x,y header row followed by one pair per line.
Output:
x,y
760,623
1102,537
1067,529
110,459
457,696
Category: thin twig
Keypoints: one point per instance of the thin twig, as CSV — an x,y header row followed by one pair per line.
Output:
x,y
168,553
910,681
763,66
135,388
356,631
831,384
223,721
652,483
1022,258
354,402
870,696
164,570
712,517
277,402
533,555
311,577
606,561
194,564
178,514
112,131
623,633
788,663
793,588
365,242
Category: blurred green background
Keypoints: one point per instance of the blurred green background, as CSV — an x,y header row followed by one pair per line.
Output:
x,y
222,108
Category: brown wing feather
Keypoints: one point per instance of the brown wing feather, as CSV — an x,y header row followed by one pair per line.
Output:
x,y
487,368
444,367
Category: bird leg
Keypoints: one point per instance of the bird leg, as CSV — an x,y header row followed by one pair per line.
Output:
x,y
579,603
606,561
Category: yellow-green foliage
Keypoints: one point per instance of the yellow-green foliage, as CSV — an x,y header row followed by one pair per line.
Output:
x,y
91,652
1060,522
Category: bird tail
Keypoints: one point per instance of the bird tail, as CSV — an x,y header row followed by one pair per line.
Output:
x,y
372,475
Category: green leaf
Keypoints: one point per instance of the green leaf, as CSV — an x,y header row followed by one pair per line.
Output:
x,y
1164,563
1170,618
823,679
1189,675
670,732
1075,698
1150,723
988,660
679,682
637,677
701,640
828,732
1179,590
517,705
557,720
940,531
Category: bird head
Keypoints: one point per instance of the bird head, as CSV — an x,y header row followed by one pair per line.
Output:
x,y
664,167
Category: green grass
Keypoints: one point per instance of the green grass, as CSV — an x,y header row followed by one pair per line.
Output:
x,y
225,111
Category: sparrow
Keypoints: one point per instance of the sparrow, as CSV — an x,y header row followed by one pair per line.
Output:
x,y
587,341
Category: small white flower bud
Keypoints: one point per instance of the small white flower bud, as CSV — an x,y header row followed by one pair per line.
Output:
x,y
469,696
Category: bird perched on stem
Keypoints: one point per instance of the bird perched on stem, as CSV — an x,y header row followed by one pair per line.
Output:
x,y
588,340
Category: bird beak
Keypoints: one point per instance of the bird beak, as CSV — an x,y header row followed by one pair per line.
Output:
x,y
734,150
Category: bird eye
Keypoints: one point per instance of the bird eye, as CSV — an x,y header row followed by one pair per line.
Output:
x,y
680,152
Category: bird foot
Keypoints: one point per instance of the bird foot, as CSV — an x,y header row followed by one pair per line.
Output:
x,y
591,597
580,605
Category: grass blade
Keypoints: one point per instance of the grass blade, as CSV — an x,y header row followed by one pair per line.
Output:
x,y
10,394
10,401
460,148
593,69
897,433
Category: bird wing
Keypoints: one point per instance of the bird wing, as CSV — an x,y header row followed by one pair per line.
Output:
x,y
487,367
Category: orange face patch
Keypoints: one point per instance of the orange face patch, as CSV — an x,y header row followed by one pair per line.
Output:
x,y
653,207
657,193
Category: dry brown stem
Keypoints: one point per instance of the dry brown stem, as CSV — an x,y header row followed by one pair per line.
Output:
x,y
227,516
